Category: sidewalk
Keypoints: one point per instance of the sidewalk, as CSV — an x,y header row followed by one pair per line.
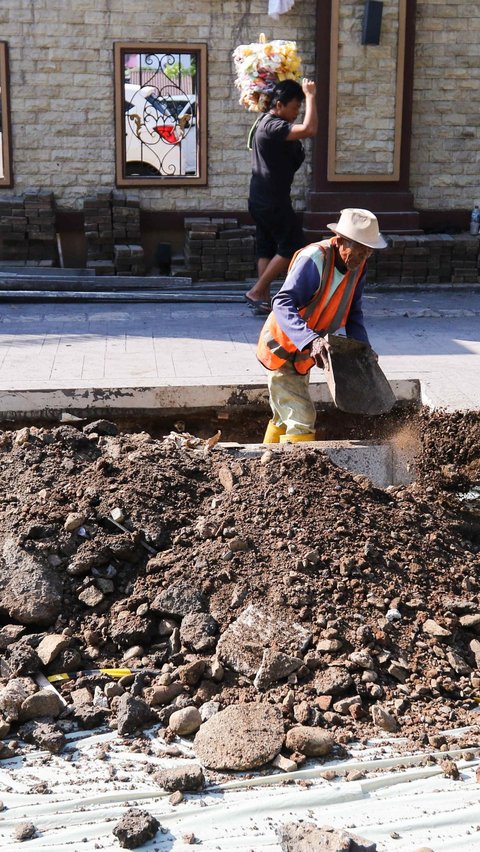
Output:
x,y
432,336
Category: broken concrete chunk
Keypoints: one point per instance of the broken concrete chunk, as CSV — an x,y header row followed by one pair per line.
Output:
x,y
433,628
198,631
242,644
275,666
52,645
30,590
133,713
471,622
333,681
383,719
179,600
243,736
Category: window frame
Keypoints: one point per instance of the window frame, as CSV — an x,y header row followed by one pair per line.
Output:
x,y
7,179
163,181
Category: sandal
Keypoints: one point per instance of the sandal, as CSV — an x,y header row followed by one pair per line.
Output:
x,y
259,306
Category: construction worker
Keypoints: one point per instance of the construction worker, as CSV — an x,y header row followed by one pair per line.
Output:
x,y
321,294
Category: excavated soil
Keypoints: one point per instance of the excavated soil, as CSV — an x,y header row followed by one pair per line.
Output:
x,y
391,572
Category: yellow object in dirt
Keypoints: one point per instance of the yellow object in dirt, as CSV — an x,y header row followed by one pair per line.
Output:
x,y
294,439
273,433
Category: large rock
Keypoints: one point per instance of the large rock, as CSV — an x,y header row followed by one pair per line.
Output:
x,y
242,644
30,590
243,736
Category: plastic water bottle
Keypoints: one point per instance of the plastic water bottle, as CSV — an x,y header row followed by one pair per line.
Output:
x,y
475,220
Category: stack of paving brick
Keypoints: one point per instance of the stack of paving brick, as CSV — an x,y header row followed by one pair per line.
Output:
x,y
465,260
27,229
128,253
112,233
389,268
440,248
97,223
415,261
218,249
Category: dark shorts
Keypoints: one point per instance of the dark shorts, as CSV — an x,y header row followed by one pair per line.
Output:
x,y
278,230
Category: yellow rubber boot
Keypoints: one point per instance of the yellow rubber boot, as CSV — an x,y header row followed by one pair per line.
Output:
x,y
273,433
294,439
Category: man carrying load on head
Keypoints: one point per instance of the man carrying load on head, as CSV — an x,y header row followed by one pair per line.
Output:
x,y
322,293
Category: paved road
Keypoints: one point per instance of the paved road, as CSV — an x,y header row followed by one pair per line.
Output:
x,y
433,336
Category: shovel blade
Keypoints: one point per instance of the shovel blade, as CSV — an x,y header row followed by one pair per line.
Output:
x,y
356,382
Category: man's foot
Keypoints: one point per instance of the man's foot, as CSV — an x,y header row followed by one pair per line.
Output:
x,y
259,306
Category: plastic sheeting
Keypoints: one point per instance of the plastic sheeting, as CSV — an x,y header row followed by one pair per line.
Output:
x,y
75,799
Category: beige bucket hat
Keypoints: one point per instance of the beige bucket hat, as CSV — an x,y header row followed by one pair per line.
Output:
x,y
359,225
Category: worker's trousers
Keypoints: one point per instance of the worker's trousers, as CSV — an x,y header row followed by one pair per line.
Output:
x,y
290,401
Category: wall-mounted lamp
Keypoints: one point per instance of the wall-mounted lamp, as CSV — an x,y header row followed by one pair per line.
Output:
x,y
372,22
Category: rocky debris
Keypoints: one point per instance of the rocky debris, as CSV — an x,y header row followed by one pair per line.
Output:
x,y
383,719
189,777
135,828
333,681
275,666
44,735
132,713
24,831
338,606
44,702
307,837
198,632
312,742
51,646
243,736
243,643
184,722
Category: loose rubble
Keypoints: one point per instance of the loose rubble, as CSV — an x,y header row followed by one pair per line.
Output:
x,y
270,609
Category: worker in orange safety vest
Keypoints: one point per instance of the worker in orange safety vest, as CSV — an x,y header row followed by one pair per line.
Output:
x,y
322,293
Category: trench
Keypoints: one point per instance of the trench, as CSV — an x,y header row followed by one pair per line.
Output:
x,y
382,447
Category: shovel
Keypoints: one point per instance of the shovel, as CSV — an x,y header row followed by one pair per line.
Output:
x,y
356,382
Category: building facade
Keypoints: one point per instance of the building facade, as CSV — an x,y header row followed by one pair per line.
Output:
x,y
398,118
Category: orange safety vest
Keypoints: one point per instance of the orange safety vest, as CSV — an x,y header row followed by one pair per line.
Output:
x,y
324,313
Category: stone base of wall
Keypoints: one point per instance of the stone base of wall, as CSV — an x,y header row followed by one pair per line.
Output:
x,y
219,249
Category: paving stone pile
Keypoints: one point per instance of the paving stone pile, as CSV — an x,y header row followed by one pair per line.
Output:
x,y
27,229
218,249
272,609
112,233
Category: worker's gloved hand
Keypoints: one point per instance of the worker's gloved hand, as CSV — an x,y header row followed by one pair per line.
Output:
x,y
319,351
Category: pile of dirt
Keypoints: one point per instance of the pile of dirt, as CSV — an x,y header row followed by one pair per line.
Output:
x,y
217,580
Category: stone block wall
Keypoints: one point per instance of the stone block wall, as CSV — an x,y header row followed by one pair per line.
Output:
x,y
62,105
62,94
444,169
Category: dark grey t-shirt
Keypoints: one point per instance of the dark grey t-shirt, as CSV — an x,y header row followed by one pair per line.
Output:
x,y
274,161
